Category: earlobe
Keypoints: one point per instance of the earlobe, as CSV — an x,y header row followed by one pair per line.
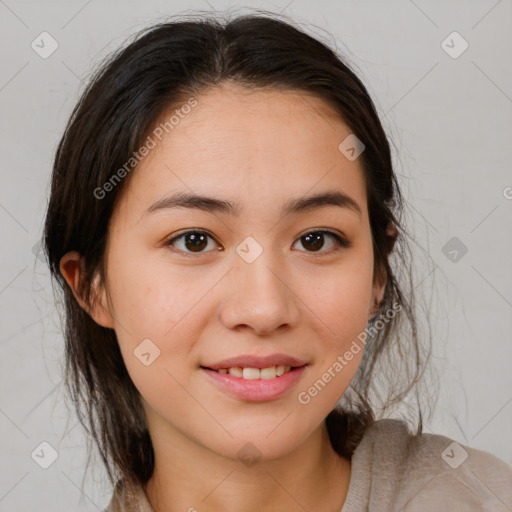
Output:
x,y
375,305
377,295
392,234
71,268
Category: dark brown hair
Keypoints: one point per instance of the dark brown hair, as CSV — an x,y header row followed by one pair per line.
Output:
x,y
156,70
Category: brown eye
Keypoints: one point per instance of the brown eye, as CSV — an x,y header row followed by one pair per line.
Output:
x,y
192,241
315,240
195,242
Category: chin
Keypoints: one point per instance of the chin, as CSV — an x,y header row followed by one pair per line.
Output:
x,y
250,445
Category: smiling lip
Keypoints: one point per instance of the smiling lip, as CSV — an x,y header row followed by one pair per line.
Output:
x,y
248,361
255,390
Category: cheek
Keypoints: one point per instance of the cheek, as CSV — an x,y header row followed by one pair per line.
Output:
x,y
340,297
157,320
340,306
150,299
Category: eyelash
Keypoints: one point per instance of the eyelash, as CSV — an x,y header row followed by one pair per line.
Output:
x,y
341,242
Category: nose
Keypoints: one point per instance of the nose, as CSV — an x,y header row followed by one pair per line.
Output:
x,y
259,296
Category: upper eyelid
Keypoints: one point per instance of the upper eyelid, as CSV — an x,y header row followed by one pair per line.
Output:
x,y
187,231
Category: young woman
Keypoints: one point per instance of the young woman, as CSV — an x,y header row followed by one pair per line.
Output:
x,y
222,219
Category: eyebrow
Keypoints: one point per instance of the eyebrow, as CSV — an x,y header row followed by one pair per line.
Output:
x,y
212,204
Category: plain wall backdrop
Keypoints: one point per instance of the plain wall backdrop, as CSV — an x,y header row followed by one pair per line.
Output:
x,y
448,111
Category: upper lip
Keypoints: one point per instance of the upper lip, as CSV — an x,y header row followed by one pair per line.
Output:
x,y
250,361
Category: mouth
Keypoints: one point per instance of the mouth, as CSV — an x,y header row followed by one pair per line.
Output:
x,y
250,384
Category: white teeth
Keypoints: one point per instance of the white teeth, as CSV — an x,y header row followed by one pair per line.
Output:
x,y
255,373
250,373
268,373
236,371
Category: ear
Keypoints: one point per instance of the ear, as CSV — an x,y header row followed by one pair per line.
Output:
x,y
380,280
71,267
378,289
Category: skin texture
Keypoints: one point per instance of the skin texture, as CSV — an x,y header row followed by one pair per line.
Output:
x,y
258,149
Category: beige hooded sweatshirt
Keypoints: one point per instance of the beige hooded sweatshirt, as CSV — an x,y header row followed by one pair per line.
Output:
x,y
395,471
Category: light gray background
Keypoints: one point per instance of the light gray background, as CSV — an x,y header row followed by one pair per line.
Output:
x,y
450,120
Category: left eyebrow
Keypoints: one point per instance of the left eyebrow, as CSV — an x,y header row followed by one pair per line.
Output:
x,y
212,204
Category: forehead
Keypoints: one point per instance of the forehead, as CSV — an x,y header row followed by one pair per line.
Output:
x,y
256,147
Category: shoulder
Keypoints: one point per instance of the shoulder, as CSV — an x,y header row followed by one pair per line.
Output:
x,y
128,498
118,498
431,471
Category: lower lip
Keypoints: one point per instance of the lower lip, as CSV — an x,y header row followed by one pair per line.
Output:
x,y
255,390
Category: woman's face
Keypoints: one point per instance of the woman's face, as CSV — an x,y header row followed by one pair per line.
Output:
x,y
250,283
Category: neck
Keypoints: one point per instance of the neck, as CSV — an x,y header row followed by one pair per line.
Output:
x,y
190,477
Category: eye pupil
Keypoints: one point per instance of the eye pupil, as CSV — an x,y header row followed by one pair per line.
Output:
x,y
198,241
315,239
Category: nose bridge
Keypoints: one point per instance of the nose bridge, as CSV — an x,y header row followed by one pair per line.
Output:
x,y
260,297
